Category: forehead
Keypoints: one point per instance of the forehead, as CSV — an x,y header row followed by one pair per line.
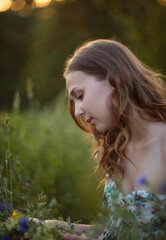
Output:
x,y
75,78
78,79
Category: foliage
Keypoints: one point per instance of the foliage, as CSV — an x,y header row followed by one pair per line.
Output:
x,y
37,48
17,207
51,156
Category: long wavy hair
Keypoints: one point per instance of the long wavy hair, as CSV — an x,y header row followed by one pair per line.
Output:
x,y
135,85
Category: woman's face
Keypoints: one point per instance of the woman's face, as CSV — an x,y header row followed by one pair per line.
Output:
x,y
92,99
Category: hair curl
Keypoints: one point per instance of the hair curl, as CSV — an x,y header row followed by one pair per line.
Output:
x,y
135,85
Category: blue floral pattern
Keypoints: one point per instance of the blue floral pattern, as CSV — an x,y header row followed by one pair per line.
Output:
x,y
136,215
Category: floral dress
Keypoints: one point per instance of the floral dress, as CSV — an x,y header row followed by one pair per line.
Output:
x,y
137,215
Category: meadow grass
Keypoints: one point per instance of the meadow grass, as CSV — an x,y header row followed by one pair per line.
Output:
x,y
52,156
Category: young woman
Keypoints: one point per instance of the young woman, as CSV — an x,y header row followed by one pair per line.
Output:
x,y
119,100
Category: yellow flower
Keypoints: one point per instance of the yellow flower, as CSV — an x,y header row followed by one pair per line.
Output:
x,y
16,215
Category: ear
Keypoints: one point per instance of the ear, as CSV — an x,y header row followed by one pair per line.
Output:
x,y
112,88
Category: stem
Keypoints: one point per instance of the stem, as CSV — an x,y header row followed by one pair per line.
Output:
x,y
8,161
6,177
10,169
2,195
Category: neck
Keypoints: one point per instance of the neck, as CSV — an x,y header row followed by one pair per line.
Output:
x,y
143,131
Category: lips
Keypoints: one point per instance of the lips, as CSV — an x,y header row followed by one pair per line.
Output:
x,y
89,120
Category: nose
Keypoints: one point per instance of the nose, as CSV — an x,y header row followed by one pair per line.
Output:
x,y
79,112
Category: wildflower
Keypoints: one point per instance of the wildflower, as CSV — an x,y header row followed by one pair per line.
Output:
x,y
21,209
163,187
72,227
25,184
24,221
24,225
142,180
5,209
5,206
23,228
4,238
14,171
15,215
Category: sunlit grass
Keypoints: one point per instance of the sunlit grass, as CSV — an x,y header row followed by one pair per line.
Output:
x,y
55,158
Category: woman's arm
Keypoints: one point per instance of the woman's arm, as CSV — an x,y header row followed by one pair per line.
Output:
x,y
69,236
79,228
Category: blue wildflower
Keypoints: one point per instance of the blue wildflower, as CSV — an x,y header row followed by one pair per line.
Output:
x,y
163,187
24,225
72,227
142,180
21,209
23,228
24,221
14,172
4,238
25,184
5,206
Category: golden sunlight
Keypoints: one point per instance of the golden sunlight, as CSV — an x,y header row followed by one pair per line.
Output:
x,y
5,5
26,11
46,13
162,2
42,3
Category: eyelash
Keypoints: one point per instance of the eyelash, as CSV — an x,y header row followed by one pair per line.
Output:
x,y
80,97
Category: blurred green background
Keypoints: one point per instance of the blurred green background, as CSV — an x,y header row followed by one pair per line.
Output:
x,y
36,37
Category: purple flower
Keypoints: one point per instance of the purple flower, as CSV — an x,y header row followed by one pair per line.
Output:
x,y
25,184
21,209
23,228
163,187
4,238
14,172
24,224
72,227
5,207
24,221
142,180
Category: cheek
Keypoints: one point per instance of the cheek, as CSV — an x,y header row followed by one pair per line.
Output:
x,y
106,106
107,113
90,104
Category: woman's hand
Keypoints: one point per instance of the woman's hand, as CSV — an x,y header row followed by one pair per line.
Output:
x,y
35,220
68,236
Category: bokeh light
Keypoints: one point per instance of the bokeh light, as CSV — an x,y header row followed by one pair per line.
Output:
x,y
162,2
46,13
5,5
41,3
18,5
26,11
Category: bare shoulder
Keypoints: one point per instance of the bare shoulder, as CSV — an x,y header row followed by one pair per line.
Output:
x,y
163,144
157,171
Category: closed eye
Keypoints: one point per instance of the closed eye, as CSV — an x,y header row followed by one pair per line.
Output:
x,y
80,97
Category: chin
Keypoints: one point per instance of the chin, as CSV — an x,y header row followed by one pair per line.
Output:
x,y
101,129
